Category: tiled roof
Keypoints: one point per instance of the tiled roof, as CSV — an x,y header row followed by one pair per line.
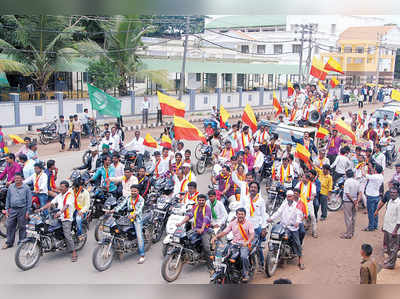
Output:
x,y
364,33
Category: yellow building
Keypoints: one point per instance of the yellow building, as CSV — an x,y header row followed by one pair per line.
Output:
x,y
358,54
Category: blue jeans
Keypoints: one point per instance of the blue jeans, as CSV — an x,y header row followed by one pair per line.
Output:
x,y
43,198
139,235
244,257
372,204
78,220
257,235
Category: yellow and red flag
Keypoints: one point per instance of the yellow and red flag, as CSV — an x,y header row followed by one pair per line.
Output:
x,y
186,131
166,141
395,95
170,105
321,86
150,141
317,69
293,114
249,118
333,65
397,113
359,118
303,154
276,105
223,117
322,132
345,129
16,139
333,82
290,89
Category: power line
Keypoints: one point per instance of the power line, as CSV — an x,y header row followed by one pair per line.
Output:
x,y
255,41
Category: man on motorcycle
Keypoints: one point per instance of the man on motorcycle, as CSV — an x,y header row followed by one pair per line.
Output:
x,y
189,175
65,203
143,182
290,217
177,164
308,192
119,167
379,157
81,203
255,208
180,183
258,159
227,153
137,145
201,214
225,184
218,211
248,158
261,136
285,173
93,162
51,172
32,152
127,181
245,138
106,172
192,195
243,235
39,181
134,205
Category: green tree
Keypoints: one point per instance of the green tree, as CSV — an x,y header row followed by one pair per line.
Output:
x,y
40,43
122,40
103,74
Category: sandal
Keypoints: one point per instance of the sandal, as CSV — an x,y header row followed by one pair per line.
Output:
x,y
74,258
6,246
301,266
343,236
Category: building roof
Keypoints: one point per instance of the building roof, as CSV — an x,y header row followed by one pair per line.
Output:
x,y
246,21
368,33
175,66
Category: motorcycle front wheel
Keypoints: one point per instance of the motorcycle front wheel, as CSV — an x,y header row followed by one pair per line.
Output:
x,y
270,264
335,201
98,231
197,151
27,255
102,257
85,157
43,139
201,166
3,225
171,267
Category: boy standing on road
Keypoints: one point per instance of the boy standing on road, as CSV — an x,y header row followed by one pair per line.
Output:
x,y
368,271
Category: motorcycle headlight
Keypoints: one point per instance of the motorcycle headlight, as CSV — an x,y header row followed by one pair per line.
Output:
x,y
274,236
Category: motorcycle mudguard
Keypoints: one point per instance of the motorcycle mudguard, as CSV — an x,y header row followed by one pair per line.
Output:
x,y
173,250
104,242
28,239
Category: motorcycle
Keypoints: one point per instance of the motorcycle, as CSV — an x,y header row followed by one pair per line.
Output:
x,y
206,160
45,234
129,158
279,248
94,129
185,247
335,200
48,133
110,203
3,218
391,152
276,196
227,264
120,237
88,152
266,171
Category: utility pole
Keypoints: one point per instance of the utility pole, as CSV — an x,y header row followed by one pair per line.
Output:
x,y
378,48
301,52
310,28
185,45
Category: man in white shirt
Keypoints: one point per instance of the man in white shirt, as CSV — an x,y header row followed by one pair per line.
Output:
x,y
65,203
290,217
391,225
85,121
254,205
218,211
258,161
379,157
108,140
189,175
39,182
341,164
180,183
372,191
245,138
308,191
127,180
145,110
137,145
385,143
116,140
285,172
163,166
261,136
350,200
119,167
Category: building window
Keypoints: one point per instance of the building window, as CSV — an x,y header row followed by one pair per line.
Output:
x,y
278,49
333,28
79,108
250,97
359,50
358,60
198,77
85,77
347,49
245,49
256,77
296,48
205,100
348,60
371,50
228,99
38,111
369,60
260,49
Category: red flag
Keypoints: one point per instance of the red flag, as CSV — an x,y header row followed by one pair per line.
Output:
x,y
276,105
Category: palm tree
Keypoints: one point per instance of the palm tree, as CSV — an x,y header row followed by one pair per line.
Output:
x,y
39,43
121,42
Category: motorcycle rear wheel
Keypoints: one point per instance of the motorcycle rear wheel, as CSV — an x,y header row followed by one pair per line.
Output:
x,y
22,252
335,202
270,264
85,157
201,166
3,225
43,139
197,151
168,270
100,259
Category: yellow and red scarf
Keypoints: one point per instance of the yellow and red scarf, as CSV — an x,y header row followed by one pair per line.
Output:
x,y
309,190
252,201
36,185
243,234
52,181
66,212
261,138
76,195
283,178
189,197
231,153
195,214
156,168
243,140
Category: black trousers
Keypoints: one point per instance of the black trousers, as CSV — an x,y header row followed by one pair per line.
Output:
x,y
145,117
16,220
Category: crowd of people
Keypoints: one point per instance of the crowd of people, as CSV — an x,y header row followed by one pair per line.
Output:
x,y
241,152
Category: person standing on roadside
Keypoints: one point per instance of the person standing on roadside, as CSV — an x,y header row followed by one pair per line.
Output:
x,y
146,107
62,130
76,132
18,204
372,191
368,269
350,200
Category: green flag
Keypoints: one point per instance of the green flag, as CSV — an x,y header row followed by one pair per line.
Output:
x,y
103,102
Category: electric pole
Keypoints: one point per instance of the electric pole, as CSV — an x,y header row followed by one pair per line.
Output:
x,y
378,49
310,28
301,52
185,45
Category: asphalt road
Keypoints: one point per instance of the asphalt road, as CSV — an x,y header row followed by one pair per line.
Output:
x,y
328,259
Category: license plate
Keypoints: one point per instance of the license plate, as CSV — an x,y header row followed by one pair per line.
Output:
x,y
176,239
